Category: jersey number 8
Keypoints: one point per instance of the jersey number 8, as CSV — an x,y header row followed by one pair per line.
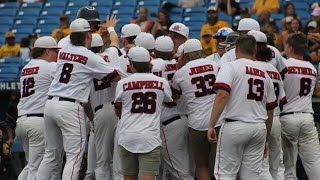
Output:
x,y
66,73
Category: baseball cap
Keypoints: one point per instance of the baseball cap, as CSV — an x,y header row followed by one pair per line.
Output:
x,y
212,8
139,54
313,24
9,35
247,24
289,19
89,13
145,40
180,29
192,45
164,44
80,25
223,32
180,50
129,30
231,39
46,42
314,5
316,12
96,40
258,35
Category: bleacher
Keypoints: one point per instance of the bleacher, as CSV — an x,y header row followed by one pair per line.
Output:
x,y
42,18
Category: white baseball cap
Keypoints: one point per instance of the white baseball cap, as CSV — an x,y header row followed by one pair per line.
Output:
x,y
46,42
145,40
180,50
259,36
212,8
96,40
129,30
180,29
313,24
139,54
316,11
192,45
247,24
79,25
164,44
223,32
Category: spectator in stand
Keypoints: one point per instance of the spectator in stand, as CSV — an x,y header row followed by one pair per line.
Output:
x,y
316,15
229,7
162,24
244,13
190,3
11,49
264,18
272,6
207,43
289,11
313,44
64,29
213,24
25,48
33,37
142,21
295,26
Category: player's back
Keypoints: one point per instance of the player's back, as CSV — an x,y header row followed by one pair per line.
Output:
x,y
35,81
141,96
249,87
195,80
299,85
76,67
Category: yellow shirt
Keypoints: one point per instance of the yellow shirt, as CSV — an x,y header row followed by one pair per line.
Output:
x,y
9,51
65,31
213,28
266,5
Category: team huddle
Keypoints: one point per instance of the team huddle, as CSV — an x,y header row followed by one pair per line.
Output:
x,y
158,108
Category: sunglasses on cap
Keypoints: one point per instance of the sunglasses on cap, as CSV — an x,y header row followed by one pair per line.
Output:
x,y
222,33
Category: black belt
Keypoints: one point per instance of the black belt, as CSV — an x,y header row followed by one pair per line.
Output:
x,y
230,120
65,99
98,108
33,115
171,120
284,114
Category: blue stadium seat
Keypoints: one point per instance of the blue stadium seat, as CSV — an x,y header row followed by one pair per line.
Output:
x,y
244,1
26,31
8,12
52,12
4,28
9,5
59,4
26,21
124,18
124,3
8,72
172,1
301,5
148,3
194,34
49,20
303,14
77,3
11,60
151,10
176,18
277,16
176,11
122,10
195,18
46,27
101,3
29,12
36,5
71,12
7,20
22,27
103,10
195,10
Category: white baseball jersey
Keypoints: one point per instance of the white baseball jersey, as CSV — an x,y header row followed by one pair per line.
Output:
x,y
214,57
195,82
166,69
299,85
123,63
277,84
35,81
277,61
141,96
76,67
251,90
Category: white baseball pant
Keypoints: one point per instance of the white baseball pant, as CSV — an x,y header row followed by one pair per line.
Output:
x,y
299,135
240,149
271,164
30,132
65,129
105,121
92,157
116,158
174,150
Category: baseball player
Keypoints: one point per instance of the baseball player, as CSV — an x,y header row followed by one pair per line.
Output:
x,y
245,92
298,132
174,129
147,41
246,25
264,54
138,101
64,115
220,36
179,33
35,81
194,80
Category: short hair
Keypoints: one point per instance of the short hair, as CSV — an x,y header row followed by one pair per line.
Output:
x,y
78,38
194,55
142,67
246,44
264,53
37,52
299,42
163,55
96,49
131,39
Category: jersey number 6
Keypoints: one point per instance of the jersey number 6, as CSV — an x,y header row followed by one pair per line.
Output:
x,y
144,102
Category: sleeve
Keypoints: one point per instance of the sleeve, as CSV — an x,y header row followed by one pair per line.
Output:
x,y
53,69
175,83
103,70
271,97
228,56
282,96
224,78
118,95
167,92
281,66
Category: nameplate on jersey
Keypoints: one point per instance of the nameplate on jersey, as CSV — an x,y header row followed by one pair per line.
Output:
x,y
73,57
301,70
143,85
274,75
255,72
29,71
9,86
201,69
